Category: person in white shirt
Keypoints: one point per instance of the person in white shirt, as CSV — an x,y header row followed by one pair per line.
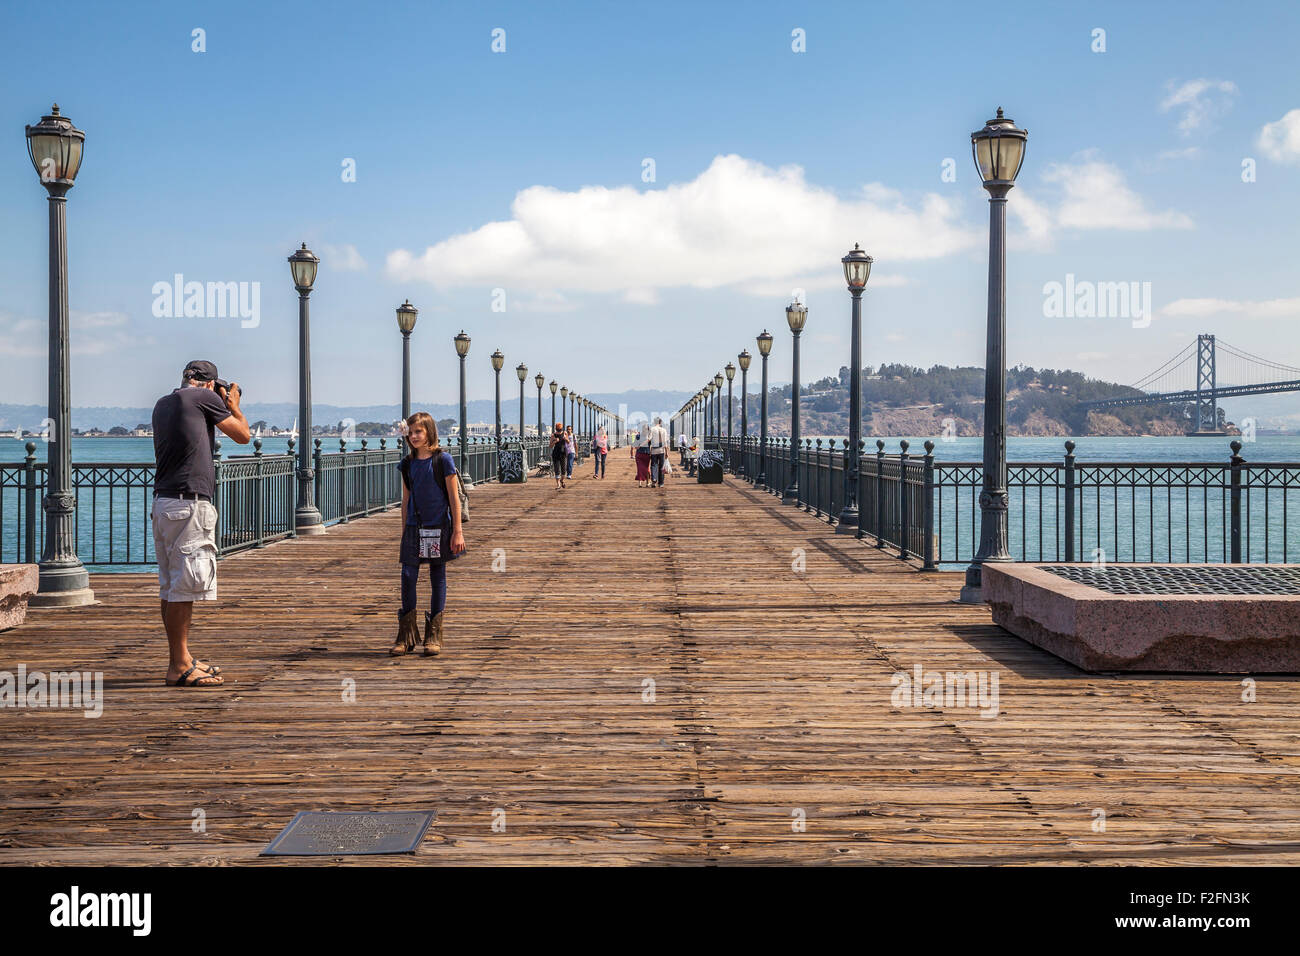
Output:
x,y
658,452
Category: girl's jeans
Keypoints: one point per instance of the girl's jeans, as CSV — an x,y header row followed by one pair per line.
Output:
x,y
569,471
600,463
438,580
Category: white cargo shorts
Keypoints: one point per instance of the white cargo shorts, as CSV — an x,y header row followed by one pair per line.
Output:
x,y
185,541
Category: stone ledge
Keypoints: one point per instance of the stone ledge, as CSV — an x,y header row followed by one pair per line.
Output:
x,y
18,583
1179,633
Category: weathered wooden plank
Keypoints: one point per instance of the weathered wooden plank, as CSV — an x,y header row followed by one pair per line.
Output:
x,y
646,677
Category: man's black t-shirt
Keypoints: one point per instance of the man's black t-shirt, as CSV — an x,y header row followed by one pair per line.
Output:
x,y
183,441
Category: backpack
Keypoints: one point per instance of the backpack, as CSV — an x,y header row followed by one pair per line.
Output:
x,y
462,493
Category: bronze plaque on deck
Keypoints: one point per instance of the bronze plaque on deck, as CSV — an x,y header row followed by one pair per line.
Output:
x,y
312,833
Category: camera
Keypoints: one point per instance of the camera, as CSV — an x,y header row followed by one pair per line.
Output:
x,y
223,387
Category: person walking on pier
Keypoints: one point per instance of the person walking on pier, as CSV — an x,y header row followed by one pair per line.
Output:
x,y
681,447
559,460
431,532
184,518
570,451
658,452
640,450
600,448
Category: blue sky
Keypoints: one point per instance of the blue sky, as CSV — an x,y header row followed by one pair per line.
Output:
x,y
769,164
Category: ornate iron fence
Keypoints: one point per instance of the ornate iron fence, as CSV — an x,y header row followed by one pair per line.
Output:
x,y
1120,512
256,498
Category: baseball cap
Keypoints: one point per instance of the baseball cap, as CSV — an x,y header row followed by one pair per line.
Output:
x,y
200,371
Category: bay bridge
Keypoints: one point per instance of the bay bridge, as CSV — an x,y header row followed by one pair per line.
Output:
x,y
1199,375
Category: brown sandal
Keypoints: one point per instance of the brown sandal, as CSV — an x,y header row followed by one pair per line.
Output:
x,y
197,680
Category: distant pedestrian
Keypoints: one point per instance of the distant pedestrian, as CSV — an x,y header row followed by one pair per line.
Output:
x,y
184,517
431,532
559,457
599,449
681,447
658,442
641,452
570,450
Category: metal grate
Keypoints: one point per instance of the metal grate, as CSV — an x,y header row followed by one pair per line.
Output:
x,y
1170,579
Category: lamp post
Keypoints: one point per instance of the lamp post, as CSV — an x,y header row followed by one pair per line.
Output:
x,y
857,269
462,349
744,358
498,361
999,150
406,315
522,371
796,314
573,401
554,389
764,349
731,374
54,146
539,381
564,404
717,385
708,412
306,519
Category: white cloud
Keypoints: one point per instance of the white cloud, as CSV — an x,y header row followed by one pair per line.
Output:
x,y
1097,197
1280,140
1185,153
343,258
1035,220
739,223
89,333
1199,101
1253,309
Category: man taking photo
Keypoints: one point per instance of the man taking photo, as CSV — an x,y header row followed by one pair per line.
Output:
x,y
184,516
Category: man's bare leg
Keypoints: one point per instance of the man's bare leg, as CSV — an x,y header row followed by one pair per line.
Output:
x,y
176,617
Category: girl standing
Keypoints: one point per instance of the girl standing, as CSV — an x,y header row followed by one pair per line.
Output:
x,y
431,532
570,450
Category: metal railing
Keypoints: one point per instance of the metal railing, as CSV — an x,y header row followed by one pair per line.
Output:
x,y
256,497
1122,512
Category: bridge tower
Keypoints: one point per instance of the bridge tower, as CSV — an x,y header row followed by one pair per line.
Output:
x,y
1207,405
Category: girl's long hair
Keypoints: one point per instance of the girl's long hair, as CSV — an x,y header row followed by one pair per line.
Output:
x,y
425,420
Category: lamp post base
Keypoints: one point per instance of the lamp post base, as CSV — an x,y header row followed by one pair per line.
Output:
x,y
972,591
307,524
62,584
848,522
78,598
790,496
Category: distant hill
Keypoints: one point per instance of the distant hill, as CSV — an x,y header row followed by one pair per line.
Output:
x,y
283,414
906,400
897,400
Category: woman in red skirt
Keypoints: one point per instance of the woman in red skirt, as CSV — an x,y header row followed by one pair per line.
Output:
x,y
641,451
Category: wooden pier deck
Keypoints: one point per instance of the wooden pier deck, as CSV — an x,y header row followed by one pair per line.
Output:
x,y
769,736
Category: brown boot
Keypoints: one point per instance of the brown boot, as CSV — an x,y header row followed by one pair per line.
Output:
x,y
432,634
408,634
